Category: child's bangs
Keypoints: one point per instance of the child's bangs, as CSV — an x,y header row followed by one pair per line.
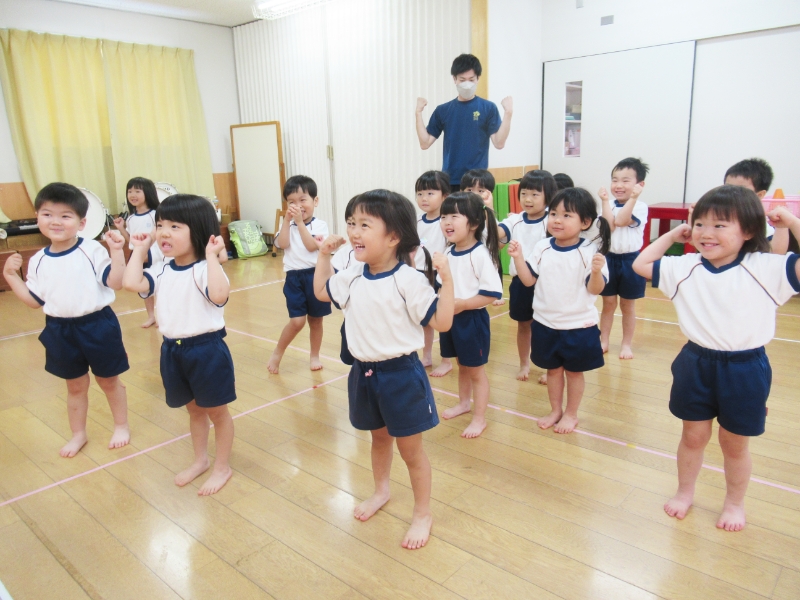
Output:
x,y
172,211
373,203
455,204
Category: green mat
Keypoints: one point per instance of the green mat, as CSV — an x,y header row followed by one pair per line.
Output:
x,y
501,206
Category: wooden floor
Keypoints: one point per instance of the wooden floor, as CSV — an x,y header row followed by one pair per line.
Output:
x,y
518,513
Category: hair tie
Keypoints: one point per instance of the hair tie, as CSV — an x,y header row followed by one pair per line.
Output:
x,y
484,207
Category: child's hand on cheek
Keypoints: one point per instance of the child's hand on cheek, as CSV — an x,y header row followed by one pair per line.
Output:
x,y
682,234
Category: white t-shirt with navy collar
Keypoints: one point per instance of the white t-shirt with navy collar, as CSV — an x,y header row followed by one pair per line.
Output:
x,y
343,257
72,283
183,308
562,300
528,232
630,238
474,273
385,312
144,223
732,307
431,237
297,256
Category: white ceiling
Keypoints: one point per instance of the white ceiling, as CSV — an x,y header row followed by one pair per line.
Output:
x,y
216,12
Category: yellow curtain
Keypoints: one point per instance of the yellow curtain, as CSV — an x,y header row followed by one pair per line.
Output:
x,y
157,125
55,95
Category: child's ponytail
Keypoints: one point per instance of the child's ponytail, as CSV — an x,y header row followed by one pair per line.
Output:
x,y
429,272
492,239
604,235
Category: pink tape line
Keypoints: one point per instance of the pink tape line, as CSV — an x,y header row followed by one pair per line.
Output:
x,y
161,445
621,443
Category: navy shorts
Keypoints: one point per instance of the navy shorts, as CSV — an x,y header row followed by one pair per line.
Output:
x,y
300,299
520,305
577,350
392,393
198,368
731,386
73,345
468,339
623,281
344,353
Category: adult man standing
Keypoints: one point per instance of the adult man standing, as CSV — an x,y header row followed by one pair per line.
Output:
x,y
468,123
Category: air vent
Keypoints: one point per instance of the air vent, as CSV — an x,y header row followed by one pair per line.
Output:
x,y
609,20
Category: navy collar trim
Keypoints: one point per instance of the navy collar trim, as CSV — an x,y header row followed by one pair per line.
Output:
x,y
144,214
455,252
712,269
307,224
530,221
619,204
565,248
371,276
52,254
175,267
425,219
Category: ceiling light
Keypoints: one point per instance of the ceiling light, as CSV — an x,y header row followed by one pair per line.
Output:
x,y
275,9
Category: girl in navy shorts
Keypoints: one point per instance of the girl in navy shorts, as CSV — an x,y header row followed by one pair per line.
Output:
x,y
386,303
192,289
726,296
569,271
477,284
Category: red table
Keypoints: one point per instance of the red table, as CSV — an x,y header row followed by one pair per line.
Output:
x,y
666,212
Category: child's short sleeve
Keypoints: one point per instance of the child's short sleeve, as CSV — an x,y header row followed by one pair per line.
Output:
x,y
420,297
776,273
489,283
507,225
669,271
32,278
535,257
639,215
341,258
338,285
101,261
151,273
200,274
319,228
435,123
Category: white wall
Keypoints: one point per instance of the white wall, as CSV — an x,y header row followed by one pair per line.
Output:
x,y
213,54
515,69
569,31
746,92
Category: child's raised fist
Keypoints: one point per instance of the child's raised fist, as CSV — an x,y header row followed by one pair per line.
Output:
x,y
682,233
13,264
637,189
141,240
603,193
331,243
215,245
114,240
781,217
514,249
441,264
598,260
119,223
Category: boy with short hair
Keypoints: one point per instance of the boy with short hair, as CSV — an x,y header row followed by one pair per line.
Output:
x,y
300,238
627,218
756,174
73,281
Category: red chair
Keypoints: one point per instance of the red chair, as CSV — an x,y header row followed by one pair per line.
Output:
x,y
666,212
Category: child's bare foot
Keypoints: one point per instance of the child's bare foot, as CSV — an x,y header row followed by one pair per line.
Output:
x,y
474,429
427,360
678,506
604,346
120,438
316,364
274,362
550,420
443,369
192,472
566,424
74,446
370,506
732,517
625,353
149,323
419,532
215,482
543,379
522,374
454,411
498,302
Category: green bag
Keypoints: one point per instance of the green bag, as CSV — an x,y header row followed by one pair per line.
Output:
x,y
246,237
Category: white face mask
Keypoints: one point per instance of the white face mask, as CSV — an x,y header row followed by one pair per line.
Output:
x,y
466,89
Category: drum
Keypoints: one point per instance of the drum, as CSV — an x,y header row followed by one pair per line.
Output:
x,y
96,216
164,190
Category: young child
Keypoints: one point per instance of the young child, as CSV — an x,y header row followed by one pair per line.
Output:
x,y
192,289
386,304
536,191
142,204
563,181
341,260
300,238
569,272
431,188
627,218
476,284
73,281
726,298
756,174
481,182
